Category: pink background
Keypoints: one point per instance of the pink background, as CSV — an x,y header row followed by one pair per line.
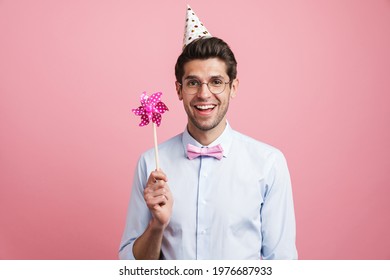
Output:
x,y
314,81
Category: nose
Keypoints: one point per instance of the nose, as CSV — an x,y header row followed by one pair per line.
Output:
x,y
204,91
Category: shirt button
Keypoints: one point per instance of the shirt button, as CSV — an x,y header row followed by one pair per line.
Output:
x,y
204,174
203,232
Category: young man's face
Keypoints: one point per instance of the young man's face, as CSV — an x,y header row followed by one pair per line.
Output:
x,y
206,111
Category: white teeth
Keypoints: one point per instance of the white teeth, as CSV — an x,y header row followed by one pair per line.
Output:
x,y
205,107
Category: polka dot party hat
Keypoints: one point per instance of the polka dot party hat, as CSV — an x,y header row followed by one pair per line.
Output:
x,y
193,28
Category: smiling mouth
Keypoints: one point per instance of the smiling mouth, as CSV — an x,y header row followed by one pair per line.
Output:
x,y
205,108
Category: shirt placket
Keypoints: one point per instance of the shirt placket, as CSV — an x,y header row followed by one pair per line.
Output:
x,y
204,215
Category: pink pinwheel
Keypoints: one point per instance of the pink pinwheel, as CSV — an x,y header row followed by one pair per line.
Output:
x,y
151,109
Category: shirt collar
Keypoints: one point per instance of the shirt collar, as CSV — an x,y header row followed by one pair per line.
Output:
x,y
225,140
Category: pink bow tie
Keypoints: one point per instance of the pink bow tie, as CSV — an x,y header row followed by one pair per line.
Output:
x,y
194,152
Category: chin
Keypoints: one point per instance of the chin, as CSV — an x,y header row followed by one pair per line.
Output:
x,y
206,126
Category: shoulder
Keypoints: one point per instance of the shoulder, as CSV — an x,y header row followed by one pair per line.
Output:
x,y
165,147
269,160
247,141
172,142
256,148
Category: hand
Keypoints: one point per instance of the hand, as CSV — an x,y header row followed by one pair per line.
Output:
x,y
159,198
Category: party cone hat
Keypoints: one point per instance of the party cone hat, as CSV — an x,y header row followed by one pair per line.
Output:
x,y
194,28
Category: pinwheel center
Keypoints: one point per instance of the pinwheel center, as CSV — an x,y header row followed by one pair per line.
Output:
x,y
149,108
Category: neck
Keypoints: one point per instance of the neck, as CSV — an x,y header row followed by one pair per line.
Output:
x,y
206,137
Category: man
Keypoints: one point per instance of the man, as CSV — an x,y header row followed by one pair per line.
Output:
x,y
228,196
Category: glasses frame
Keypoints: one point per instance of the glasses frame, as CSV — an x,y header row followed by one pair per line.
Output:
x,y
204,83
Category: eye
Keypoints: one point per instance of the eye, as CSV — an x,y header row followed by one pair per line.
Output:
x,y
216,82
193,83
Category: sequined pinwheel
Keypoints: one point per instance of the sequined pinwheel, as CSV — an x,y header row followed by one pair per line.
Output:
x,y
151,109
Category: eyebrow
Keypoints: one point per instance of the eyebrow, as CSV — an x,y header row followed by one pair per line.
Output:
x,y
196,77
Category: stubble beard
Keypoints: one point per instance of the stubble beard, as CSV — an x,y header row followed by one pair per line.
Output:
x,y
207,127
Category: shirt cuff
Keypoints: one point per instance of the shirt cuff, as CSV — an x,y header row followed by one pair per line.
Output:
x,y
126,253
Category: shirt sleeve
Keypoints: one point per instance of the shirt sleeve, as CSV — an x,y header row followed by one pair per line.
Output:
x,y
277,213
138,214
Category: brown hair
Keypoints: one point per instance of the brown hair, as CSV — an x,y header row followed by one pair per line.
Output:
x,y
205,48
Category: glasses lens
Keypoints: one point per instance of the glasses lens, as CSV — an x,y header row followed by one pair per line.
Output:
x,y
215,86
192,86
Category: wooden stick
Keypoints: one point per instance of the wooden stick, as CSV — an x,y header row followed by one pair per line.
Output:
x,y
156,147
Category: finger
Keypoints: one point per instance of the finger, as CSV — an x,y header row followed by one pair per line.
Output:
x,y
153,202
156,176
151,187
154,193
159,185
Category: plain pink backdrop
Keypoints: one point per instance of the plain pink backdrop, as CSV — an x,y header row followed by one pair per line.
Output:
x,y
314,82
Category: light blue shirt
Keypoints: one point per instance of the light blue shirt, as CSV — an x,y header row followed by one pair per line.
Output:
x,y
239,207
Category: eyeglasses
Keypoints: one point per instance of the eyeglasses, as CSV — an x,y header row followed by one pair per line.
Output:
x,y
215,86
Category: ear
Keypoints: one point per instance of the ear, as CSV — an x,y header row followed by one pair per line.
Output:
x,y
234,88
178,90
